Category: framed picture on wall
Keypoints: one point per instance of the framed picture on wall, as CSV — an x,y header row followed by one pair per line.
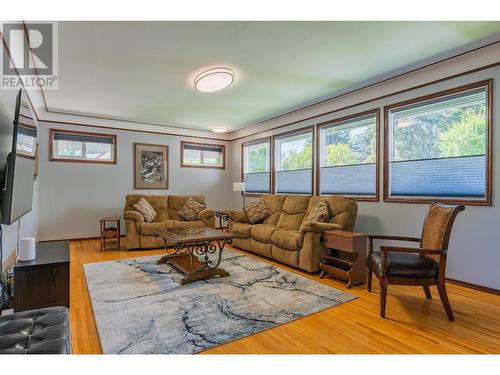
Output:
x,y
150,166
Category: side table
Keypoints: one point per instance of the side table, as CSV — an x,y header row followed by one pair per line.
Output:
x,y
347,259
110,232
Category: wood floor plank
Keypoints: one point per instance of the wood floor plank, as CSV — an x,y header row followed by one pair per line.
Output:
x,y
413,324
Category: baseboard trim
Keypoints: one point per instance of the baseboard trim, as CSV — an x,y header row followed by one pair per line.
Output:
x,y
78,239
474,286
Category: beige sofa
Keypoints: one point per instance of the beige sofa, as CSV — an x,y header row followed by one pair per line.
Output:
x,y
278,236
140,235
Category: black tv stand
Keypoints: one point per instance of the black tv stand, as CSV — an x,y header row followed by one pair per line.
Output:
x,y
43,282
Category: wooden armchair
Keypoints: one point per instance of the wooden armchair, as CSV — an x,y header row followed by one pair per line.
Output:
x,y
424,265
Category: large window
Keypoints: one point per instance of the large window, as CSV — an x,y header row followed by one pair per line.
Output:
x,y
75,146
293,162
438,147
257,166
202,155
348,156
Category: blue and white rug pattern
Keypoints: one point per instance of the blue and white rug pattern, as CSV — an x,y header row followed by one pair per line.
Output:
x,y
140,307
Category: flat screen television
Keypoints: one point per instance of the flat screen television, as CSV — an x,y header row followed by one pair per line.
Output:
x,y
17,160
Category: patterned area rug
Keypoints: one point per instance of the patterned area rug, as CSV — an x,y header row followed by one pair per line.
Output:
x,y
140,307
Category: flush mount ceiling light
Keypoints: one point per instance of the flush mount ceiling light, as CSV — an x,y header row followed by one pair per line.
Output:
x,y
214,79
219,129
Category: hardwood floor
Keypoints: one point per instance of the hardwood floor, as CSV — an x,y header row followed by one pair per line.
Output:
x,y
413,324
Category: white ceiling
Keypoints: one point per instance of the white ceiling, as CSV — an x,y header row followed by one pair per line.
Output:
x,y
142,71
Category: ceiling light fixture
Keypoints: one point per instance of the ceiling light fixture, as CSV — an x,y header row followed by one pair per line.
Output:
x,y
219,129
214,79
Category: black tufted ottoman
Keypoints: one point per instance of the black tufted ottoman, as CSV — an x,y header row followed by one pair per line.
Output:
x,y
41,331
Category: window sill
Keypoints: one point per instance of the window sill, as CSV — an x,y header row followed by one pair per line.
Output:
x,y
83,161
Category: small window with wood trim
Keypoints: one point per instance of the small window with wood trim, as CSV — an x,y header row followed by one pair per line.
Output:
x,y
202,155
26,141
73,146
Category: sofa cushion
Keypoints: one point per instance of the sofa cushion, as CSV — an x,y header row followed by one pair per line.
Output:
x,y
262,232
241,229
148,229
275,204
319,214
293,212
256,211
158,202
147,211
176,202
287,239
191,209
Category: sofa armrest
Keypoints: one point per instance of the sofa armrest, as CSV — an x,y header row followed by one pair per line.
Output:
x,y
134,216
238,216
319,227
206,214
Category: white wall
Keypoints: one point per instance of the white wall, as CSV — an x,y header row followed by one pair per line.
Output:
x,y
474,254
73,196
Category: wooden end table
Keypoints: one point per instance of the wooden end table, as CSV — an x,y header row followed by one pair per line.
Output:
x,y
196,252
110,233
347,259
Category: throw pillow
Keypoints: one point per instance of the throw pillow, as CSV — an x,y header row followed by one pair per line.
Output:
x,y
256,211
191,209
145,209
319,213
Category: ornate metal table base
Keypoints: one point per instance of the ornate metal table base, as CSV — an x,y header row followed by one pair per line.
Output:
x,y
223,217
185,258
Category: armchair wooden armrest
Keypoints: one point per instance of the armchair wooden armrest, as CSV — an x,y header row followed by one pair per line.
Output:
x,y
372,237
397,249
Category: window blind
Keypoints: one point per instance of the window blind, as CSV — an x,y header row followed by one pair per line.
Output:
x,y
190,146
29,132
82,138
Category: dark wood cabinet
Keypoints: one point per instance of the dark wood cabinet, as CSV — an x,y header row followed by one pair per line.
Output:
x,y
43,282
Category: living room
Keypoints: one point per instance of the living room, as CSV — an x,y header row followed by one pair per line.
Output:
x,y
279,187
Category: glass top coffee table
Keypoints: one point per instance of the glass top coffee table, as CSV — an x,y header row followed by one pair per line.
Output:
x,y
196,252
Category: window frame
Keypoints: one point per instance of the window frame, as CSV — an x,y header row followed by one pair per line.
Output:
x,y
331,123
271,160
303,130
185,165
488,85
52,132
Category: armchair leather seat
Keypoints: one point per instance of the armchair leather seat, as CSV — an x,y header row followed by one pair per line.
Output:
x,y
404,265
41,331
